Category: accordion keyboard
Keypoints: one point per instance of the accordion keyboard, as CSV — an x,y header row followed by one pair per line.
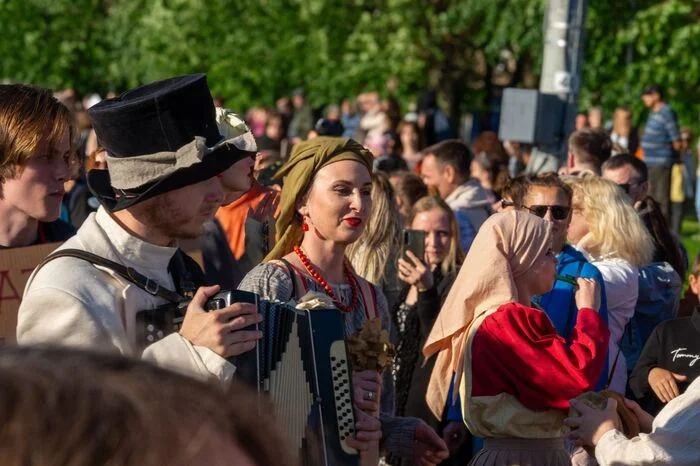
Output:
x,y
301,364
341,390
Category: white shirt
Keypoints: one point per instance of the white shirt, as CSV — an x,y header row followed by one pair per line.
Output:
x,y
674,438
71,302
621,290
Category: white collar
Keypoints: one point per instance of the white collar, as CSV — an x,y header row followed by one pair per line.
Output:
x,y
132,249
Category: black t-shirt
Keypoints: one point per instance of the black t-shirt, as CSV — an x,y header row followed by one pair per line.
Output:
x,y
673,345
55,231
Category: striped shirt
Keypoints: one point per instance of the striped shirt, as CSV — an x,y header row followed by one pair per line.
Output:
x,y
659,133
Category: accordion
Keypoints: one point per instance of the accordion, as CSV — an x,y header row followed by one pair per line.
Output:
x,y
301,363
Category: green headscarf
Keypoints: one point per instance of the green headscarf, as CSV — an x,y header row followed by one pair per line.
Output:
x,y
306,160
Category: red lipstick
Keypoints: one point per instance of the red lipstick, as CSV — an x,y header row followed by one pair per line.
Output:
x,y
353,221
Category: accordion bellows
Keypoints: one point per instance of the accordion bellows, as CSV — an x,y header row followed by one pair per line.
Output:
x,y
301,363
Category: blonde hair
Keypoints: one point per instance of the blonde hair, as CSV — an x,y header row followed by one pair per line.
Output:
x,y
455,256
377,244
616,230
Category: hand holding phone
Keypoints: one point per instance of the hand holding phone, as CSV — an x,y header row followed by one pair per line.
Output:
x,y
414,241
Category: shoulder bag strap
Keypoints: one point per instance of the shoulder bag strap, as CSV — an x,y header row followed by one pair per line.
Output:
x,y
369,298
572,305
612,369
293,276
128,273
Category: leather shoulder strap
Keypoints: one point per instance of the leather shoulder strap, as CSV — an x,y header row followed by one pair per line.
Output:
x,y
128,273
369,298
294,277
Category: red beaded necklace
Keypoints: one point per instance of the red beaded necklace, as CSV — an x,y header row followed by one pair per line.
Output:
x,y
324,284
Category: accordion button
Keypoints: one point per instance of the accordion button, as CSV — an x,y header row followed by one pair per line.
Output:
x,y
150,327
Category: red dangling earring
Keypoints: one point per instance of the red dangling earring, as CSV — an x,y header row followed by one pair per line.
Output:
x,y
305,227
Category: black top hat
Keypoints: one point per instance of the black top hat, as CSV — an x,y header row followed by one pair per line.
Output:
x,y
158,137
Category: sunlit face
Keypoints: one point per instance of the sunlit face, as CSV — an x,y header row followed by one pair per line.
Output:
x,y
433,175
694,282
100,160
685,141
542,274
339,202
479,173
298,101
239,176
436,225
273,128
37,190
628,179
578,228
550,196
377,144
408,135
650,99
581,121
181,213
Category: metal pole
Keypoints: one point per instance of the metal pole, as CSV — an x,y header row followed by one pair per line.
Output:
x,y
561,64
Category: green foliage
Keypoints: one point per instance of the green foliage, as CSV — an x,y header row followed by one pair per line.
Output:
x,y
254,52
626,51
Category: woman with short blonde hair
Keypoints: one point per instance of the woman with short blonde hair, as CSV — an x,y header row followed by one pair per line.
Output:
x,y
607,229
614,227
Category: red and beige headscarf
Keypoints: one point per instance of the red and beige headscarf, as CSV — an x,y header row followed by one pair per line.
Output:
x,y
507,246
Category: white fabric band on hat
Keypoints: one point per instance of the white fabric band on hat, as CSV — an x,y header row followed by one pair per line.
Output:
x,y
133,172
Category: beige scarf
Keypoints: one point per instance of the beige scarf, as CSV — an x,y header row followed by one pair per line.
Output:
x,y
506,247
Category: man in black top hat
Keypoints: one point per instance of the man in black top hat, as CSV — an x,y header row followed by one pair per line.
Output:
x,y
166,162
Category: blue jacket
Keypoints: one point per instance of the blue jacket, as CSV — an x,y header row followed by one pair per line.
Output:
x,y
560,303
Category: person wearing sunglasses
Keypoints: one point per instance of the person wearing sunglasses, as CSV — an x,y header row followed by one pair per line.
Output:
x,y
631,175
547,197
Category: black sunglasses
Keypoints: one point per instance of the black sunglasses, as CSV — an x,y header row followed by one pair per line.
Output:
x,y
626,187
558,212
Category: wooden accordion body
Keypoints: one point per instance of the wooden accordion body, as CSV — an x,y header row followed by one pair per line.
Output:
x,y
301,363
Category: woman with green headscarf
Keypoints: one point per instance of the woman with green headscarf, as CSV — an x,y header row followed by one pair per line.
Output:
x,y
325,204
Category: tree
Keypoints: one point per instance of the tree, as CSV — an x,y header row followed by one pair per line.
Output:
x,y
627,50
254,52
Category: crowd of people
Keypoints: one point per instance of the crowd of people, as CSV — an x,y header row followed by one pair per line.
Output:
x,y
538,282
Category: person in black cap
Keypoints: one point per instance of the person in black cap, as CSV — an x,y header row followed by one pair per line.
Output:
x,y
167,164
661,142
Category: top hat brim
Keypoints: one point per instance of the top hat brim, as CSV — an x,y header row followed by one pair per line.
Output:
x,y
211,165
